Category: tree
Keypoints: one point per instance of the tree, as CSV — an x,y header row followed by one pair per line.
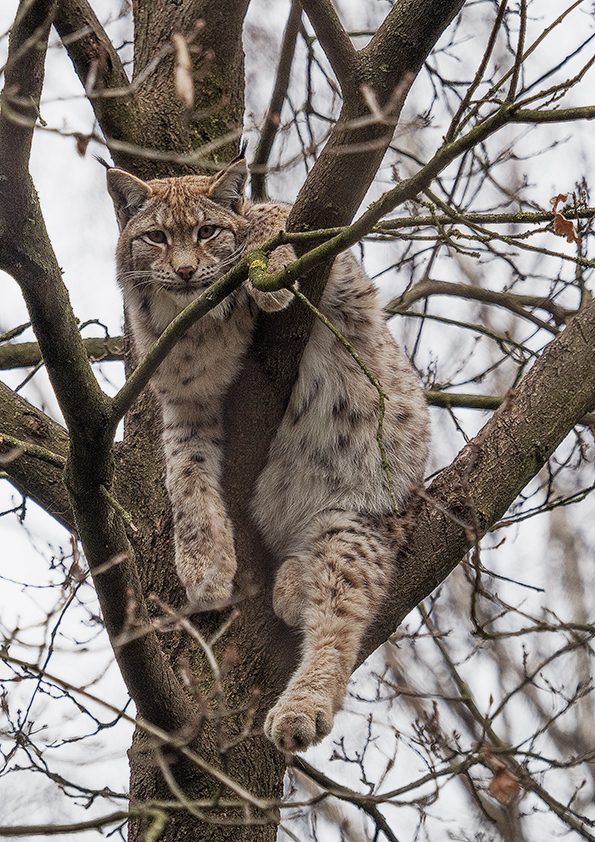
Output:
x,y
193,680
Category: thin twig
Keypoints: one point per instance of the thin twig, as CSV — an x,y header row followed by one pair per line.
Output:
x,y
382,396
273,117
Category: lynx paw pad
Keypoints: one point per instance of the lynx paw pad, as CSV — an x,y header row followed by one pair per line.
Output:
x,y
294,726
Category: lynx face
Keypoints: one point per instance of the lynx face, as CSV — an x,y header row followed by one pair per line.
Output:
x,y
178,235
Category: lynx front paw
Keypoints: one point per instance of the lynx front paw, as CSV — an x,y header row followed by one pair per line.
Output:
x,y
271,302
209,593
296,723
208,582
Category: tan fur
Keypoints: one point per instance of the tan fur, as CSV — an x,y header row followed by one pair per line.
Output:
x,y
322,502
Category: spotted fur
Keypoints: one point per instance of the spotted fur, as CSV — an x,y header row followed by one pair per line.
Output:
x,y
322,502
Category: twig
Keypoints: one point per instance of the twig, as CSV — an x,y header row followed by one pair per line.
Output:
x,y
518,61
34,450
511,301
153,730
527,781
454,125
335,42
382,396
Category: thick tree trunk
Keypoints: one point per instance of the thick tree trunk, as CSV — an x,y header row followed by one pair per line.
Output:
x,y
253,762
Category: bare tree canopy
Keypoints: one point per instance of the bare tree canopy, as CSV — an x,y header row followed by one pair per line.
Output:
x,y
446,142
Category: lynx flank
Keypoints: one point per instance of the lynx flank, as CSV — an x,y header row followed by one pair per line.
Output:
x,y
322,502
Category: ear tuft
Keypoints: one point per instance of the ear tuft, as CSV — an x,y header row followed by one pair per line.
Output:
x,y
103,162
228,187
128,194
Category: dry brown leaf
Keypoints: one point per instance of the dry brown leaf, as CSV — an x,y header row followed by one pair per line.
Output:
x,y
81,145
564,228
504,787
555,200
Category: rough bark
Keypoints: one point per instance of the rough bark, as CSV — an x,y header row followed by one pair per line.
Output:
x,y
215,32
99,68
38,478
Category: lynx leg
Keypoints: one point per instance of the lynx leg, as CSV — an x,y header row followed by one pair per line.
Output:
x,y
205,554
344,577
290,595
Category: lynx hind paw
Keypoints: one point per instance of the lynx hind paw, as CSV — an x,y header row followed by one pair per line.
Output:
x,y
295,724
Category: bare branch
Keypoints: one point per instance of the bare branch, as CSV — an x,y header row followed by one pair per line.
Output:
x,y
36,478
98,67
514,302
336,43
272,119
452,129
27,354
488,474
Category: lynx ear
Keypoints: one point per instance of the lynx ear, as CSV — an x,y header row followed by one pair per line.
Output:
x,y
228,187
128,194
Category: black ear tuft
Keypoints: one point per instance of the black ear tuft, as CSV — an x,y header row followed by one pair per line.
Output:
x,y
128,194
103,162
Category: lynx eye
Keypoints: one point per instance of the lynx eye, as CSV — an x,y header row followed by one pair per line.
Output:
x,y
156,236
206,231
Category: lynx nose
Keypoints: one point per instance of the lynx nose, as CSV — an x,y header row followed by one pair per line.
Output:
x,y
186,272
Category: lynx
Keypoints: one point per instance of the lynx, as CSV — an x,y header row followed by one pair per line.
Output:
x,y
322,502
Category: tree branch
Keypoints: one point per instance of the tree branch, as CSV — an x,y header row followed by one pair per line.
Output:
x,y
272,119
517,304
494,467
25,249
336,44
553,115
34,477
22,89
27,354
339,180
76,827
98,67
26,253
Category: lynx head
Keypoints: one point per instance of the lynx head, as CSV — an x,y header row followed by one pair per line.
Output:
x,y
178,235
